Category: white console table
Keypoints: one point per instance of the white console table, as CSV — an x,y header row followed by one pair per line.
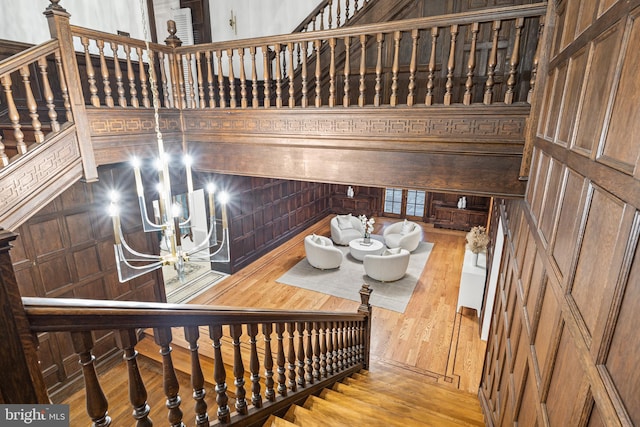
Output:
x,y
472,281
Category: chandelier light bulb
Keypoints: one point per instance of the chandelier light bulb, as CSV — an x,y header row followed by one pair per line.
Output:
x,y
114,196
114,210
159,188
176,210
224,198
211,188
188,160
135,162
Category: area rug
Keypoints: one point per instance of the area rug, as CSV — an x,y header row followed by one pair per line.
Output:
x,y
346,281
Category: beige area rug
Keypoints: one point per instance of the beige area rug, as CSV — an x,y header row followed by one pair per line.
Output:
x,y
346,281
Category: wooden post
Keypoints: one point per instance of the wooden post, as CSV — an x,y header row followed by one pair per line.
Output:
x,y
60,29
22,380
365,308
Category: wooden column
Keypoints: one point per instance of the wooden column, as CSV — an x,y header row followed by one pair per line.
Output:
x,y
60,29
22,380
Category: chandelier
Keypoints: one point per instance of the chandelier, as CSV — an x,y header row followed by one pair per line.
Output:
x,y
170,217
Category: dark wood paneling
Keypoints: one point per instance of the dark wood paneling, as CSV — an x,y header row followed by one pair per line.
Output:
x,y
574,240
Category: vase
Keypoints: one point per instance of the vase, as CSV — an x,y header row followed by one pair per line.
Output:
x,y
367,239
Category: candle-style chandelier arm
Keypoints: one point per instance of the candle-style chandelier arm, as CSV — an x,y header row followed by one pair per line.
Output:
x,y
147,225
222,254
132,252
128,271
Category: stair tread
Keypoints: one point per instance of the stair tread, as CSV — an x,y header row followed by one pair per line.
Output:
x,y
448,404
349,415
274,421
376,404
303,417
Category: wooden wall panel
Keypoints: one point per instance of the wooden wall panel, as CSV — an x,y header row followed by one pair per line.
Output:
x,y
573,241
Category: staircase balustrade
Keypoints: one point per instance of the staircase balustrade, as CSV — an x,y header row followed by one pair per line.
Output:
x,y
307,363
331,14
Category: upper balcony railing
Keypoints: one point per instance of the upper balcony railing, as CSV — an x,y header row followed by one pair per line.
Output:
x,y
331,14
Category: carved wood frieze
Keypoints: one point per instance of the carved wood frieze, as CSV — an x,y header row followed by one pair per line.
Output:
x,y
29,181
108,122
407,124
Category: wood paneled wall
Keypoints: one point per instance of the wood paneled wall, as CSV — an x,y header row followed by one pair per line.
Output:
x,y
66,251
565,346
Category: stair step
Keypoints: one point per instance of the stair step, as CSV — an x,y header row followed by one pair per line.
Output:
x,y
376,402
448,403
274,421
303,417
349,415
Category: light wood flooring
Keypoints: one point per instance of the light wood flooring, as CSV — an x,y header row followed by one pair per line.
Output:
x,y
428,338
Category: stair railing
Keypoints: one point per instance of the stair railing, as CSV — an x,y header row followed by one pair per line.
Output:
x,y
302,352
484,57
331,14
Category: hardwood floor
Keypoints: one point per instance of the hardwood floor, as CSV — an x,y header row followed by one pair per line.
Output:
x,y
429,338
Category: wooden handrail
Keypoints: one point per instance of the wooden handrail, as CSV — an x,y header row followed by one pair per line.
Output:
x,y
68,314
101,35
28,56
464,18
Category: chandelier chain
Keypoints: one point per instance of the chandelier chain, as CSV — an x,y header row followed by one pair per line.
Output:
x,y
152,80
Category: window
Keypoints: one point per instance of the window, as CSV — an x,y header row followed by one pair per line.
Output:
x,y
393,201
405,203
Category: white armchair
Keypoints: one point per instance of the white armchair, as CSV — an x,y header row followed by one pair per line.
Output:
x,y
389,266
345,228
321,253
404,234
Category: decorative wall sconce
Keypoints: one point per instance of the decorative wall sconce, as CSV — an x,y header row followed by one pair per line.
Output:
x,y
232,23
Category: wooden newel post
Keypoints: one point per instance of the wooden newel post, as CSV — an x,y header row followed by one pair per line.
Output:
x,y
22,380
365,308
60,29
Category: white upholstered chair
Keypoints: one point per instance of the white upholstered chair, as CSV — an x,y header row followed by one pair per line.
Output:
x,y
321,253
389,266
345,228
404,234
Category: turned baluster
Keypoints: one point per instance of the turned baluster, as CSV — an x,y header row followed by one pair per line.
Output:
x,y
329,8
292,92
122,101
355,345
301,355
346,12
133,92
321,20
212,99
269,392
97,405
317,45
182,87
4,159
162,337
303,74
329,355
278,76
238,370
338,14
346,331
126,340
163,77
255,102
397,35
173,77
48,94
104,71
153,81
91,74
432,67
347,71
291,357
254,366
219,375
63,87
513,63
243,80
337,351
355,7
451,65
332,72
363,69
191,334
536,60
320,334
308,352
471,64
221,91
280,360
491,66
14,116
378,87
31,104
232,80
144,92
267,84
315,351
412,67
201,100
341,346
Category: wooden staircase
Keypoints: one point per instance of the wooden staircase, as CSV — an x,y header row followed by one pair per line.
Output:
x,y
382,396
385,396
